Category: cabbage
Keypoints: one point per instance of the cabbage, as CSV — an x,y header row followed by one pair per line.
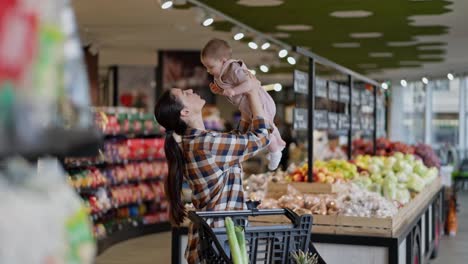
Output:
x,y
399,155
378,161
403,196
363,182
415,183
431,175
390,191
389,173
410,158
402,177
390,162
374,168
376,177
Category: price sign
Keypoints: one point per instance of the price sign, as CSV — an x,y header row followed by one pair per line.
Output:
x,y
321,119
321,88
344,122
301,82
332,121
333,91
344,94
300,119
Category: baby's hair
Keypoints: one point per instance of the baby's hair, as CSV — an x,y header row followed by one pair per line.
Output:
x,y
216,48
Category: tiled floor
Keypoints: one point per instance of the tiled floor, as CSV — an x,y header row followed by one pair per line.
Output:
x,y
154,249
454,250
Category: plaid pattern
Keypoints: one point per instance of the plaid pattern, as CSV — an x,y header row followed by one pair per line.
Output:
x,y
214,172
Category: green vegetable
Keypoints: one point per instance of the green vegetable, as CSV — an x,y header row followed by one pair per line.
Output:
x,y
233,244
241,240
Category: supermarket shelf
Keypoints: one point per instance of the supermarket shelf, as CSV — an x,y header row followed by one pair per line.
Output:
x,y
131,232
139,135
55,141
100,164
86,190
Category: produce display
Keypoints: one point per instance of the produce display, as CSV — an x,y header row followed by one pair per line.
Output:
x,y
386,147
394,177
351,200
125,121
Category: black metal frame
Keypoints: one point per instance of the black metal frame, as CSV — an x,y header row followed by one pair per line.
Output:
x,y
312,60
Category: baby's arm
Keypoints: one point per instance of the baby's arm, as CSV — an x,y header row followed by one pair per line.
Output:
x,y
243,87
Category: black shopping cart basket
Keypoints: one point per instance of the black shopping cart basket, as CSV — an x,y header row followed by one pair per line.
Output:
x,y
265,244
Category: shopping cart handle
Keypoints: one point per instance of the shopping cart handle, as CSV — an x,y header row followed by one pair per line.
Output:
x,y
195,216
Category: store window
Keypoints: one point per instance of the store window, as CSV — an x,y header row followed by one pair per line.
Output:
x,y
414,98
445,113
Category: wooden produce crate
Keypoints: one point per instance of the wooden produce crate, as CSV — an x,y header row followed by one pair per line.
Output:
x,y
276,190
363,226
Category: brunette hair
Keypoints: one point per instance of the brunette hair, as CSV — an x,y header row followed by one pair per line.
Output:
x,y
216,48
167,113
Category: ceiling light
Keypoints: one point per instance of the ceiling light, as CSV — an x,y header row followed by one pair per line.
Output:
x,y
351,14
283,53
346,45
253,72
208,21
277,87
291,60
384,85
239,36
404,83
253,45
450,76
425,80
264,68
366,35
166,4
265,45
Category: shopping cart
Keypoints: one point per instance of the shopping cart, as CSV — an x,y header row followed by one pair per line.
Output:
x,y
265,244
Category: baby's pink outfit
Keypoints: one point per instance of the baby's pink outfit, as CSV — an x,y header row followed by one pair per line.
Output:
x,y
233,73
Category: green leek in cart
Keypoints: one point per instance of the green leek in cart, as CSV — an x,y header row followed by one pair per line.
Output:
x,y
236,240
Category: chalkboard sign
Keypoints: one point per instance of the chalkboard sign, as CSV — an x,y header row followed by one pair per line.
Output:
x,y
300,118
356,123
301,82
332,120
321,88
321,119
344,121
356,94
333,91
344,94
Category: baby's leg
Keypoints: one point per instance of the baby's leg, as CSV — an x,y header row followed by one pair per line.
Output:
x,y
275,148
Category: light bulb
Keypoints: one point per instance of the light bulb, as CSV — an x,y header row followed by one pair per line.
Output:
x,y
253,45
425,80
277,87
283,53
265,45
404,83
208,21
291,60
166,4
239,36
450,76
384,85
264,68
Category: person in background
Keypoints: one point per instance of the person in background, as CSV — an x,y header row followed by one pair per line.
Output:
x,y
209,161
333,150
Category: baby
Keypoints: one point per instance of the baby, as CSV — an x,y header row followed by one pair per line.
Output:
x,y
230,79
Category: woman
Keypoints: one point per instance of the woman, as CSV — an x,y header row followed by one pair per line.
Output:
x,y
209,161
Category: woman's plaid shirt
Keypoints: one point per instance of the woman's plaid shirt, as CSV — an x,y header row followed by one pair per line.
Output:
x,y
214,171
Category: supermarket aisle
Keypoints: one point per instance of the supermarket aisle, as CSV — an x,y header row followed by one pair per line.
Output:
x,y
149,249
453,249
